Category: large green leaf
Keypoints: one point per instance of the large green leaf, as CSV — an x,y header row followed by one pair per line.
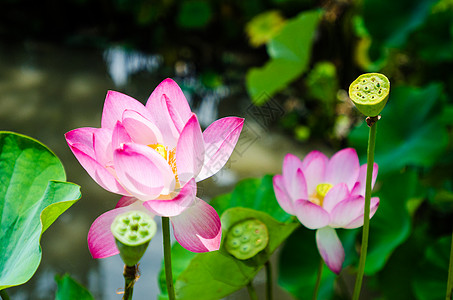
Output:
x,y
391,224
68,289
411,131
390,22
430,283
290,53
32,196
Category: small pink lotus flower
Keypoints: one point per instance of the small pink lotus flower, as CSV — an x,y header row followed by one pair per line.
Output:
x,y
154,155
325,194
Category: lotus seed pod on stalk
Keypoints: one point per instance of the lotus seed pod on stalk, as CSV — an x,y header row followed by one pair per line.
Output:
x,y
247,238
370,92
133,231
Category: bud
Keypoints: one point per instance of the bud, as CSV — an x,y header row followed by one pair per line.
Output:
x,y
370,92
133,231
246,238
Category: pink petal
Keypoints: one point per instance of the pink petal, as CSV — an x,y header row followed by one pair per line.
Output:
x,y
291,165
343,167
198,228
314,166
175,206
120,136
330,248
335,195
311,215
140,129
126,201
283,199
143,171
178,108
114,106
82,136
190,151
350,211
98,172
102,144
220,139
161,118
360,185
358,222
101,242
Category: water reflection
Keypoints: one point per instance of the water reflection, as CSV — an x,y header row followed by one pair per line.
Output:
x,y
122,63
46,91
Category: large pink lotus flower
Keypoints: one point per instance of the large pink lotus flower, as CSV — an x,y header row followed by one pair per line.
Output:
x,y
325,194
154,155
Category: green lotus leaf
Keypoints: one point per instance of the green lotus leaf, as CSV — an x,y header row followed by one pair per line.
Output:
x,y
33,194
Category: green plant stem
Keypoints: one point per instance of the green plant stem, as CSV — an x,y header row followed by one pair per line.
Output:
x,y
252,292
268,280
450,274
318,279
366,214
167,257
130,276
4,295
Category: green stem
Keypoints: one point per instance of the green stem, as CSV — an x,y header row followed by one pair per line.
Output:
x,y
450,274
366,214
4,295
268,280
129,273
252,292
318,279
167,257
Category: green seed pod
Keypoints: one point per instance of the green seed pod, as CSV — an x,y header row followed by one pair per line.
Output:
x,y
370,92
133,231
246,238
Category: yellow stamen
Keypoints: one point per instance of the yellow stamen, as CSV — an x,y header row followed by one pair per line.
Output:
x,y
169,156
320,193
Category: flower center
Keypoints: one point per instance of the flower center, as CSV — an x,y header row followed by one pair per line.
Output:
x,y
320,193
168,155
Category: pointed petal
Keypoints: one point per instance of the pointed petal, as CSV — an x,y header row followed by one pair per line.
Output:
x,y
126,201
291,169
114,106
334,196
198,228
98,172
161,118
311,215
82,136
314,167
190,151
179,108
119,136
175,206
343,167
143,171
283,199
330,248
360,185
349,212
220,139
140,129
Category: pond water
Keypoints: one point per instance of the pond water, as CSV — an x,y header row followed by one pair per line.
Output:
x,y
46,91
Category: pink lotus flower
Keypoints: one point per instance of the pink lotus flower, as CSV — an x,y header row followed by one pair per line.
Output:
x,y
154,155
325,194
